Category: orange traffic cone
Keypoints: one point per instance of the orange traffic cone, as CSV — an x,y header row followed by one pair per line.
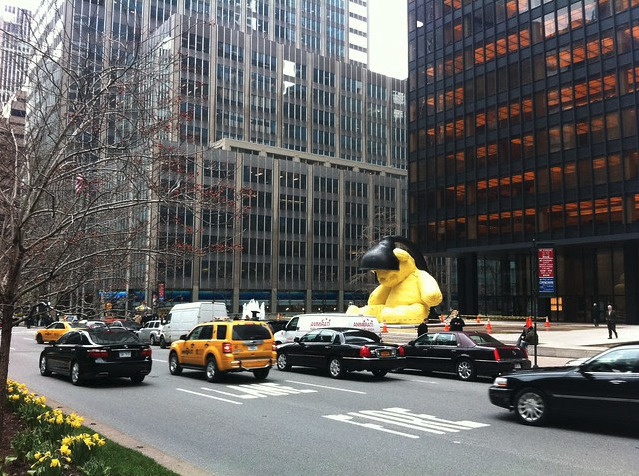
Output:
x,y
529,322
441,318
547,324
447,327
384,328
478,319
489,328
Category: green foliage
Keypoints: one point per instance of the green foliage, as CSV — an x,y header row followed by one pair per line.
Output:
x,y
95,467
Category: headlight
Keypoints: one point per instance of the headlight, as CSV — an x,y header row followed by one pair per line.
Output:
x,y
501,382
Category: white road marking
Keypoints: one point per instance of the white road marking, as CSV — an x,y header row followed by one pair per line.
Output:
x,y
327,387
158,360
260,390
404,418
208,396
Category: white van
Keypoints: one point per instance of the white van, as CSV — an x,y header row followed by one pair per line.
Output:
x,y
303,323
184,317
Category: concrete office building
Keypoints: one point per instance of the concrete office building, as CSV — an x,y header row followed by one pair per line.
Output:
x,y
522,127
279,91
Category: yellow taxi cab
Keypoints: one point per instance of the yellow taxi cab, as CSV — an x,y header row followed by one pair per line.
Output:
x,y
225,346
53,331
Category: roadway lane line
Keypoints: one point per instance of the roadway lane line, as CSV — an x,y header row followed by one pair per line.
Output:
x,y
208,396
372,426
327,387
158,360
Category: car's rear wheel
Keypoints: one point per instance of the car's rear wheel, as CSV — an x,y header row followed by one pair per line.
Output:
x,y
282,362
162,343
212,372
39,339
261,374
531,407
153,339
76,377
465,369
139,378
336,368
174,364
44,366
379,373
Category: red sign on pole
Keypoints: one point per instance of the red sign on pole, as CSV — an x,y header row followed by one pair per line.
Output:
x,y
546,259
161,291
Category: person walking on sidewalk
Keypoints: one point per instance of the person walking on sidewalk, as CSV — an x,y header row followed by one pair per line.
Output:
x,y
456,323
594,314
611,319
423,327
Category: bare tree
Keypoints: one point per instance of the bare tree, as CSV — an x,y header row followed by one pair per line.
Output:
x,y
80,194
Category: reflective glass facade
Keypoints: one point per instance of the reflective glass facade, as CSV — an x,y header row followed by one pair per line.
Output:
x,y
523,126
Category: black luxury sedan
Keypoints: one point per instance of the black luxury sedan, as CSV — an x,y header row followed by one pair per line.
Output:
x,y
341,350
467,354
97,352
606,385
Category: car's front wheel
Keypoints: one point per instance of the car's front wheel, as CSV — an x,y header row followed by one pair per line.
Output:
x,y
162,343
336,368
174,364
212,372
153,340
76,377
44,366
531,407
465,369
261,374
39,339
282,362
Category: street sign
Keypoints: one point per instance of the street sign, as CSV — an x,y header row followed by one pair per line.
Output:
x,y
546,259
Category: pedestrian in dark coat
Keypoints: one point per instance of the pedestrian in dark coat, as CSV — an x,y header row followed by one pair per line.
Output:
x,y
456,323
423,327
595,314
611,320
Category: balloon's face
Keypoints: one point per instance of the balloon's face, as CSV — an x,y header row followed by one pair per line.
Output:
x,y
390,278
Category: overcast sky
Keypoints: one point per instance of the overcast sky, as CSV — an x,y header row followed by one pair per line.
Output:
x,y
387,32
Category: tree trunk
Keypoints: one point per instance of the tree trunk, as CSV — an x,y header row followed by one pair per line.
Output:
x,y
5,344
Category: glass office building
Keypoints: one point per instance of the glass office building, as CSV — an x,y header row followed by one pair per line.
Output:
x,y
523,126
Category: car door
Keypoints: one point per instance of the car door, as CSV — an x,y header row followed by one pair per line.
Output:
x,y
200,343
190,346
53,332
418,355
305,353
445,352
607,385
68,349
54,355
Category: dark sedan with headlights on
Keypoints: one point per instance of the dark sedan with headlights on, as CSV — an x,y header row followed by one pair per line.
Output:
x,y
467,354
606,385
99,352
341,350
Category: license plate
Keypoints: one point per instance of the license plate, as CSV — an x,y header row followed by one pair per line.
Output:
x,y
385,353
517,366
125,354
252,347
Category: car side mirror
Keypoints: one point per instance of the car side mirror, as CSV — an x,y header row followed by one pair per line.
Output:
x,y
183,337
297,339
411,342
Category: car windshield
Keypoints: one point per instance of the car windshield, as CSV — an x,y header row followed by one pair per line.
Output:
x,y
483,339
250,332
357,336
113,336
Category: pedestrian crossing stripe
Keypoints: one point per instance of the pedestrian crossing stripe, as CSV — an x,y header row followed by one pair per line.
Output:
x,y
259,390
405,419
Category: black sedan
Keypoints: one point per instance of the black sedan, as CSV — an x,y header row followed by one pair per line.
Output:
x,y
606,385
97,352
341,350
467,354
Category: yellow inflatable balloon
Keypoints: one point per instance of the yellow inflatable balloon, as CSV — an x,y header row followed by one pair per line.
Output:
x,y
404,296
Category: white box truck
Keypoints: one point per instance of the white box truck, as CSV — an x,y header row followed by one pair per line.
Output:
x,y
184,317
299,325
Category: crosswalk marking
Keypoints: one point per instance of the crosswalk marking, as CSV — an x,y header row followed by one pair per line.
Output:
x,y
208,396
405,419
260,390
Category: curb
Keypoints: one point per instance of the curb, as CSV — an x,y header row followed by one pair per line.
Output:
x,y
181,467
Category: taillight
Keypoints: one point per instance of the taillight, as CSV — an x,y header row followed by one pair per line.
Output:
x,y
98,353
496,354
400,351
146,352
273,347
227,348
364,351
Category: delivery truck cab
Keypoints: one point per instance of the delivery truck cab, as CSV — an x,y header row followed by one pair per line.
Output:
x,y
184,317
299,325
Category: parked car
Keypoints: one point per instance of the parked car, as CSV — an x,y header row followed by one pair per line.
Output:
x,y
341,350
97,352
225,346
467,354
605,385
150,332
128,325
53,331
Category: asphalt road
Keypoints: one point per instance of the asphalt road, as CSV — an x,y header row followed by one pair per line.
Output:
x,y
303,422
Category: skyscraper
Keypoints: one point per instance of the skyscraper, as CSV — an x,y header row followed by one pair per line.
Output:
x,y
280,91
522,127
14,28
